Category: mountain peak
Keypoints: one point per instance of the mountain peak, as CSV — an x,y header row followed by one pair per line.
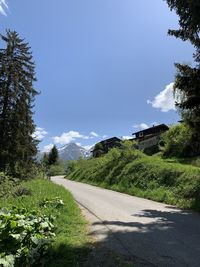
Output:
x,y
72,151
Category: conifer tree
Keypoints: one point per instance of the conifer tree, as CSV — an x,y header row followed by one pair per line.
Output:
x,y
187,82
17,75
45,159
53,156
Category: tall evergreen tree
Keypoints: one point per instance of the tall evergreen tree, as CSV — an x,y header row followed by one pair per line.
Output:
x,y
187,82
53,156
17,75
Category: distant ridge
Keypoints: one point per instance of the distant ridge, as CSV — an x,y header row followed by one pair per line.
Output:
x,y
73,152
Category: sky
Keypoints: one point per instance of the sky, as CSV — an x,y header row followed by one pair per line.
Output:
x,y
104,68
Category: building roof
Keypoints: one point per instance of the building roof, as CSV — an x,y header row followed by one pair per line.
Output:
x,y
156,128
110,140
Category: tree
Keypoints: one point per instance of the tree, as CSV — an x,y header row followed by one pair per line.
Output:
x,y
17,75
45,159
187,82
53,156
177,141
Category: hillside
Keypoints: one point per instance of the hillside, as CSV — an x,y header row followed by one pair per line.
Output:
x,y
131,171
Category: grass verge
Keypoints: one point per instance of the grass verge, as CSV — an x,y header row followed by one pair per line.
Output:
x,y
130,171
71,244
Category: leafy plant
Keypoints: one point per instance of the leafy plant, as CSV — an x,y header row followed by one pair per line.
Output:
x,y
177,141
7,184
56,169
21,191
55,202
24,236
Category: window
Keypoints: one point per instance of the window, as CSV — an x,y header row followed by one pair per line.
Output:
x,y
141,134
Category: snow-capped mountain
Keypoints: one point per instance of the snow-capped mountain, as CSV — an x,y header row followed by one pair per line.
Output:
x,y
73,152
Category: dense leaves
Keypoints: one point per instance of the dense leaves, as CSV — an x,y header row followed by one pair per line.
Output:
x,y
177,141
7,185
187,82
24,237
53,156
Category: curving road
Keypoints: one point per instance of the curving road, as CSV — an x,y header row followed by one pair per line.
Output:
x,y
146,232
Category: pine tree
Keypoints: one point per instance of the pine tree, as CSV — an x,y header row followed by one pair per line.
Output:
x,y
187,82
17,75
45,159
53,156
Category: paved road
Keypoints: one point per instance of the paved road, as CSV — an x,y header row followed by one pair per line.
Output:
x,y
147,232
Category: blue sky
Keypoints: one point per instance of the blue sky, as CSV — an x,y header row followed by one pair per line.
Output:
x,y
104,67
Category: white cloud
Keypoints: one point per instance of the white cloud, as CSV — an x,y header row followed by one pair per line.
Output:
x,y
126,137
3,7
141,126
68,137
39,133
164,100
104,136
46,149
144,126
93,134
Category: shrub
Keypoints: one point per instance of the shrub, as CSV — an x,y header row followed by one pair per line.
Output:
x,y
71,166
178,141
21,191
56,170
24,237
7,184
55,202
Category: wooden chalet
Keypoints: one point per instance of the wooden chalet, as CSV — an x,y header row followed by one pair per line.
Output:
x,y
150,137
106,145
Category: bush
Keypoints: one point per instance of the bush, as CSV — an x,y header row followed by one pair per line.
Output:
x,y
55,202
178,141
24,237
21,191
7,185
56,170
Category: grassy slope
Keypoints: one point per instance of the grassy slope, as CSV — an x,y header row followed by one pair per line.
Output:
x,y
134,173
70,247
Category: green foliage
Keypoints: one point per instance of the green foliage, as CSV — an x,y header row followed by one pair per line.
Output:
x,y
187,82
17,74
24,236
57,169
152,150
71,165
55,202
178,141
53,156
131,171
70,244
7,185
21,191
98,150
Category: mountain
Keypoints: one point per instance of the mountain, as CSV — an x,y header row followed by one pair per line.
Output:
x,y
73,152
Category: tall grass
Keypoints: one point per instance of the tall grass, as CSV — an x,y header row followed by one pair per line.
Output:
x,y
130,171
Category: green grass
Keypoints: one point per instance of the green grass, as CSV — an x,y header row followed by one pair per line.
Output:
x,y
130,171
70,246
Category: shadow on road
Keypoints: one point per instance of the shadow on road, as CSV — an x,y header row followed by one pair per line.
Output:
x,y
172,238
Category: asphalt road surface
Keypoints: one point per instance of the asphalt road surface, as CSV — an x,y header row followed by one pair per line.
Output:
x,y
146,232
